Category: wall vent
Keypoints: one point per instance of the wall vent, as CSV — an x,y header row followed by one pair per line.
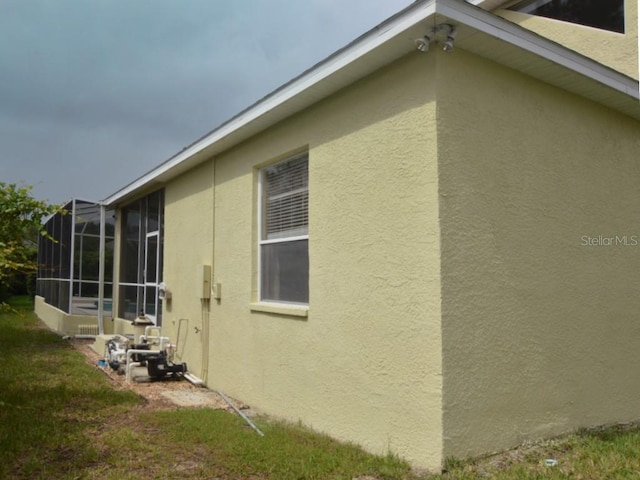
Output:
x,y
87,329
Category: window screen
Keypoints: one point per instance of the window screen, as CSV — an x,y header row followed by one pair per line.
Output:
x,y
284,258
286,199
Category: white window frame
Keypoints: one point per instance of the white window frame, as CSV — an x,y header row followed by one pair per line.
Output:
x,y
261,225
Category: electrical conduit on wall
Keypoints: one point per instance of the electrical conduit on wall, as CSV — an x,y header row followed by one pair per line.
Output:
x,y
205,338
206,303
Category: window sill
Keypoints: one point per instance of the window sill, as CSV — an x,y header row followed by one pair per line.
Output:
x,y
281,309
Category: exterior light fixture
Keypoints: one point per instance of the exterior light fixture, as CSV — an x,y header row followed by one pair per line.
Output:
x,y
444,29
422,44
448,44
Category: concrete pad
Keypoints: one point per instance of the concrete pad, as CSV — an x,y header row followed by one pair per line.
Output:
x,y
201,398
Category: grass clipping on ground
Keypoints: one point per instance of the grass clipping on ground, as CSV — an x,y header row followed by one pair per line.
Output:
x,y
61,418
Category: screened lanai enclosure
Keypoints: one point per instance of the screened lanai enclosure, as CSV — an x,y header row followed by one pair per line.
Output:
x,y
69,259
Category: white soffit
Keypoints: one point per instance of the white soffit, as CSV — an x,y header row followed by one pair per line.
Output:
x,y
488,4
479,32
497,39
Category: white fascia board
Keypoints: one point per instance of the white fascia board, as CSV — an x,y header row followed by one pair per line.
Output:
x,y
454,11
509,32
400,22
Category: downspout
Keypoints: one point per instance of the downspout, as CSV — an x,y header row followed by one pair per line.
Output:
x,y
101,272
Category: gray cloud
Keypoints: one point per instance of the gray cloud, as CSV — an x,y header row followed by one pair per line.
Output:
x,y
96,93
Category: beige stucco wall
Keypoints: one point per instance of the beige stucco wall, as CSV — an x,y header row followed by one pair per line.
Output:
x,y
119,326
540,332
364,365
618,51
188,245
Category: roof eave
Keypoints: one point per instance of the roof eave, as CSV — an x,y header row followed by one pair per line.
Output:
x,y
306,83
376,48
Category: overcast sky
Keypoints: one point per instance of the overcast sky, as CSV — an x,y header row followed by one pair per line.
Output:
x,y
95,93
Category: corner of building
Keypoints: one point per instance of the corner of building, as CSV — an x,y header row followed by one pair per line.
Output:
x,y
539,313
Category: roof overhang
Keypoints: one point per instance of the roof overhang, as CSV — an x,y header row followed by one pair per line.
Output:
x,y
478,32
488,5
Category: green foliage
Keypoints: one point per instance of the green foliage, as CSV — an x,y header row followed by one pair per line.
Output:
x,y
51,401
20,222
452,463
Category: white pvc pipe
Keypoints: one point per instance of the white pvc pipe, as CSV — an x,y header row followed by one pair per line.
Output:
x,y
193,379
162,342
137,364
244,417
130,367
149,328
131,352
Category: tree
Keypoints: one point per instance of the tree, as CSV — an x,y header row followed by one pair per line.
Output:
x,y
21,218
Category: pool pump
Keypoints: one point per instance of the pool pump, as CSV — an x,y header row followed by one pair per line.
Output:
x,y
122,356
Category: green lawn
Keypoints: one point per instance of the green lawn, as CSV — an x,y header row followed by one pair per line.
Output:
x,y
61,419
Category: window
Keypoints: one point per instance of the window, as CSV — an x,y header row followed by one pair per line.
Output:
x,y
284,231
604,14
141,250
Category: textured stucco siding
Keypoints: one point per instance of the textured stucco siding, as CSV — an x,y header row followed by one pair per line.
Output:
x,y
188,246
540,331
364,366
616,50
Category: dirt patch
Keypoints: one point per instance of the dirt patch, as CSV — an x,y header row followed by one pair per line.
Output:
x,y
157,393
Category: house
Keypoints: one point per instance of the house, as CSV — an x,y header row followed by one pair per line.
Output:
x,y
428,243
